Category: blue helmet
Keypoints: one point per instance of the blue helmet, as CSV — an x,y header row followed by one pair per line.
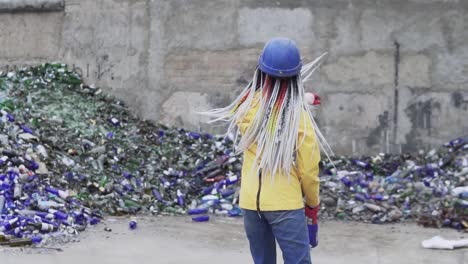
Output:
x,y
280,58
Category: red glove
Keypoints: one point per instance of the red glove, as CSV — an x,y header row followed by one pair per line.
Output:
x,y
312,213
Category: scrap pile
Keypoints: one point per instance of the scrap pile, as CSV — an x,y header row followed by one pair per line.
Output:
x,y
431,187
70,154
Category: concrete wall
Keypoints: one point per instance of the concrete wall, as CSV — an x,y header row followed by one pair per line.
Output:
x,y
395,79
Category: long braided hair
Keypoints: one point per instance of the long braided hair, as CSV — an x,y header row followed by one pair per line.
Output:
x,y
275,126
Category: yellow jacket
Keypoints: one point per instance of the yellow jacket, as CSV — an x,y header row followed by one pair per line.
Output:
x,y
282,193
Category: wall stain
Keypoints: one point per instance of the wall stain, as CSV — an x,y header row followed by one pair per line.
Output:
x,y
242,81
396,91
376,134
459,101
218,99
420,114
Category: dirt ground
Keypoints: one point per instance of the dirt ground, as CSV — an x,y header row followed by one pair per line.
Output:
x,y
222,240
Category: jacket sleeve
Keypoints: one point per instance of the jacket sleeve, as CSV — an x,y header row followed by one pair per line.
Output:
x,y
308,158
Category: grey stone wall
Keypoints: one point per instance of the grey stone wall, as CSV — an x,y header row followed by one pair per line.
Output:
x,y
395,79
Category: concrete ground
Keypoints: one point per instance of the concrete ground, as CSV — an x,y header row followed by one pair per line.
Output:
x,y
222,240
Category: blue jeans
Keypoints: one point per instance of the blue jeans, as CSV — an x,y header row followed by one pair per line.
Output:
x,y
289,228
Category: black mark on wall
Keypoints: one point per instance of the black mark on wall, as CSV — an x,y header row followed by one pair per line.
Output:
x,y
396,92
459,101
397,63
420,114
378,135
242,81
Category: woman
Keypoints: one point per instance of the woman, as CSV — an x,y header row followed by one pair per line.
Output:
x,y
281,154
